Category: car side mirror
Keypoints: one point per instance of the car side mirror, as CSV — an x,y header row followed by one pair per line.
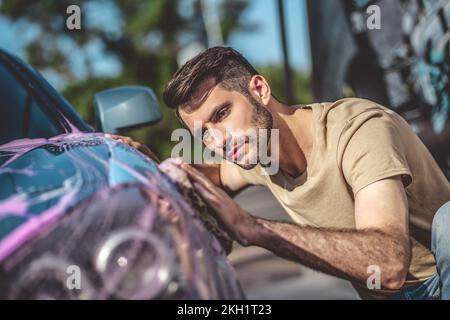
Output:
x,y
124,108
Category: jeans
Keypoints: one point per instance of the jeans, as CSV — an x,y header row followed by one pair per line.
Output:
x,y
438,286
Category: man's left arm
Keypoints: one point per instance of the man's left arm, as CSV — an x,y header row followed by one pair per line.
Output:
x,y
381,236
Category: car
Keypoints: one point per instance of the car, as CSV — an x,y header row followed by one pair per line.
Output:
x,y
83,216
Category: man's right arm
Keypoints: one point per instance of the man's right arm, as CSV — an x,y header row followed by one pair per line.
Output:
x,y
225,176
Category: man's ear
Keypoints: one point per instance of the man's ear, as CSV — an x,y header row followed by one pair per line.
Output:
x,y
260,89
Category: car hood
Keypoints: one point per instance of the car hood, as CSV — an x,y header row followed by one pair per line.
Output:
x,y
41,179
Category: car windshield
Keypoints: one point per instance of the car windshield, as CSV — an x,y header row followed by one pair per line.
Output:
x,y
22,115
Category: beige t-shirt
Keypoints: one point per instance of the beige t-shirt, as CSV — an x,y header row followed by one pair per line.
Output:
x,y
358,142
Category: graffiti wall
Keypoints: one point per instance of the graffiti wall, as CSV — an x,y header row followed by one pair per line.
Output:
x,y
402,63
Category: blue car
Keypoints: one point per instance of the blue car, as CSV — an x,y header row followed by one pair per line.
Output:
x,y
83,216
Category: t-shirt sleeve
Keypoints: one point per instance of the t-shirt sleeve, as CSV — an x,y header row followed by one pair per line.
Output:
x,y
372,150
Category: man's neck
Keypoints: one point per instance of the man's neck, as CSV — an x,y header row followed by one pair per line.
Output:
x,y
296,137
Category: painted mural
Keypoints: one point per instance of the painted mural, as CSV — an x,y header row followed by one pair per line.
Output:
x,y
404,64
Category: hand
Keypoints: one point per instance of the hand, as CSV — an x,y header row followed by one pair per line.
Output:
x,y
137,145
235,220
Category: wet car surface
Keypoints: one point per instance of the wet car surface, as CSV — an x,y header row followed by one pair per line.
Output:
x,y
81,205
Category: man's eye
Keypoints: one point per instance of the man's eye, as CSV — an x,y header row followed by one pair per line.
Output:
x,y
205,134
222,113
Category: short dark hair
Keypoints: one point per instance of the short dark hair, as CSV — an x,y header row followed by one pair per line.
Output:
x,y
228,67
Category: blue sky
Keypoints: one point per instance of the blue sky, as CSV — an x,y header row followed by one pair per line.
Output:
x,y
261,47
264,46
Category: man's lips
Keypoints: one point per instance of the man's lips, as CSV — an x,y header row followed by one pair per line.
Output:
x,y
235,151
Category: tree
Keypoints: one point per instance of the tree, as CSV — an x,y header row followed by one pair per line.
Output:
x,y
143,35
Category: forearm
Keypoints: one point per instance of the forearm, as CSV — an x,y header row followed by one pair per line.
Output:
x,y
343,253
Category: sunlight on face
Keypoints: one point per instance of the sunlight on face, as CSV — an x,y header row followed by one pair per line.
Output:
x,y
230,123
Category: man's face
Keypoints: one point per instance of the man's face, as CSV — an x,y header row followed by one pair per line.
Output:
x,y
228,121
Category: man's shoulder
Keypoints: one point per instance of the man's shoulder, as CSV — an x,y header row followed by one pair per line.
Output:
x,y
348,108
339,121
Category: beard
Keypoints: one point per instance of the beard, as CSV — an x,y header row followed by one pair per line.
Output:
x,y
261,119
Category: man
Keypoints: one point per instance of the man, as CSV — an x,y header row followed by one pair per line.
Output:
x,y
354,177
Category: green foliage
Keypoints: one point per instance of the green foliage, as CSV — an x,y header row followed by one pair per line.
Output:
x,y
275,76
144,62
